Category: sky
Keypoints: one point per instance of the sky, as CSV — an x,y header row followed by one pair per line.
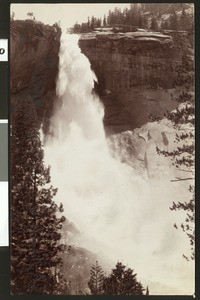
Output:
x,y
66,13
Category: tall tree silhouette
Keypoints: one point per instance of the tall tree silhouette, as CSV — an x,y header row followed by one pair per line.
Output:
x,y
96,279
173,21
35,225
154,25
122,281
104,21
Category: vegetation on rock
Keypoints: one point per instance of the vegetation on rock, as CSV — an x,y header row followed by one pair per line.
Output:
x,y
146,16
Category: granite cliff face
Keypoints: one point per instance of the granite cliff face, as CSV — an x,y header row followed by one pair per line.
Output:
x,y
135,79
134,70
135,74
34,49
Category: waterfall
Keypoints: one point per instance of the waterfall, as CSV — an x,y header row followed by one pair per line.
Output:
x,y
110,205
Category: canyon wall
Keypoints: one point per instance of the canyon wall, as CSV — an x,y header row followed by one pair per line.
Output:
x,y
135,72
34,57
136,75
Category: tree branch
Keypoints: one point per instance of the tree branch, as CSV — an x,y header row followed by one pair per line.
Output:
x,y
181,179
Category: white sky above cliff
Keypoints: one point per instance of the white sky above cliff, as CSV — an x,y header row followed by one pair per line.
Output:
x,y
67,13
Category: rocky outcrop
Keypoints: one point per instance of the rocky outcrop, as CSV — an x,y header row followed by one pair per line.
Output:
x,y
135,74
139,148
76,265
34,50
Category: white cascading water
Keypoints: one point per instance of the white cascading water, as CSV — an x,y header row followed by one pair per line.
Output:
x,y
110,205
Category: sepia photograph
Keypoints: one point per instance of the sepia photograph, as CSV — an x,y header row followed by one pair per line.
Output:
x,y
102,147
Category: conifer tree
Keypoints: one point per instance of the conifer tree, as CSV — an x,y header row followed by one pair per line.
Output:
x,y
154,25
122,281
140,22
12,16
164,25
96,279
30,14
104,21
173,21
88,24
35,224
183,120
92,24
183,20
147,291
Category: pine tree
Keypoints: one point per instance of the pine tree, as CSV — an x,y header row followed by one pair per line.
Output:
x,y
122,281
104,21
147,291
164,25
183,20
98,22
173,21
183,120
88,24
92,24
31,15
134,16
154,25
186,21
12,16
96,279
140,22
35,225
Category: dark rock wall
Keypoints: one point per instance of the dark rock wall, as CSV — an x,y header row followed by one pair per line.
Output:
x,y
34,50
134,70
135,75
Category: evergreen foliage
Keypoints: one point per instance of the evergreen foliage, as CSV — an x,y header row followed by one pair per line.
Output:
x,y
147,16
173,21
12,16
186,21
122,281
104,21
96,279
35,225
183,120
88,26
31,15
154,25
147,291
